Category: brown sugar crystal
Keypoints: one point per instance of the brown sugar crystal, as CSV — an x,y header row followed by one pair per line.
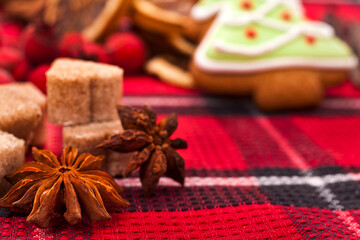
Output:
x,y
29,91
106,89
68,93
81,92
12,155
32,93
87,137
18,115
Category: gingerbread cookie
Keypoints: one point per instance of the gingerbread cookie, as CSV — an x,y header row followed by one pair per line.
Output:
x,y
267,49
168,20
171,69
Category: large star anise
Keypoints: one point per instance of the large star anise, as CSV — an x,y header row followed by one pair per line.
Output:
x,y
50,190
153,150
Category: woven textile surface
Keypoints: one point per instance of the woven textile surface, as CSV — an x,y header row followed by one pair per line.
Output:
x,y
249,175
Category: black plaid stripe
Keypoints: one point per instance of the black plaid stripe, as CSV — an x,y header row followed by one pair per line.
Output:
x,y
240,106
298,195
196,198
276,186
193,198
6,213
347,193
270,190
313,223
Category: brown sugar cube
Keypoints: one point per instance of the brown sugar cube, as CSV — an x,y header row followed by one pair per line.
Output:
x,y
18,115
116,163
12,156
31,92
81,92
68,94
105,91
87,137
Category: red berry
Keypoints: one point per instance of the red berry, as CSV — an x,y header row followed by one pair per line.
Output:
x,y
10,33
127,51
38,78
74,46
94,52
71,45
40,45
21,71
5,76
10,58
14,62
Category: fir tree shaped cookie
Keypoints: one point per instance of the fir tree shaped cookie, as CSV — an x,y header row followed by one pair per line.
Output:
x,y
269,50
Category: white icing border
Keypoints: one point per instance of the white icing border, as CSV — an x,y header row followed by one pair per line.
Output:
x,y
259,14
318,29
202,13
211,66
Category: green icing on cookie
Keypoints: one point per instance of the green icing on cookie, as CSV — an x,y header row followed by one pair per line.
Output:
x,y
299,47
206,3
278,14
321,48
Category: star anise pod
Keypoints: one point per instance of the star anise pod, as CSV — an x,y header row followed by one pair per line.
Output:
x,y
50,190
153,150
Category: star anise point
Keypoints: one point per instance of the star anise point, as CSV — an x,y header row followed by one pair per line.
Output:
x,y
155,152
49,190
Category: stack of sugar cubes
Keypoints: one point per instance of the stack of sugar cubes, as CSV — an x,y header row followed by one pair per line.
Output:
x,y
22,123
82,96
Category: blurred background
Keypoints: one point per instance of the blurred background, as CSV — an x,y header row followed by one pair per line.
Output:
x,y
35,32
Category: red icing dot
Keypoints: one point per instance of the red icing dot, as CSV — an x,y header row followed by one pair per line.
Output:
x,y
251,33
246,4
310,40
286,15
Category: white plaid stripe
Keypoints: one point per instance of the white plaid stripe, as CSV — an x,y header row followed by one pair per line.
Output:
x,y
258,181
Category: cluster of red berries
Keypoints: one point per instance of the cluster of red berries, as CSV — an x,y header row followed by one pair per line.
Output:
x,y
27,52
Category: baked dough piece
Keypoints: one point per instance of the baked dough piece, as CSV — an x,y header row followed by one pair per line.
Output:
x,y
168,20
268,50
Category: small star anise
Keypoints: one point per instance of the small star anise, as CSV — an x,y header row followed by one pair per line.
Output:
x,y
153,150
50,190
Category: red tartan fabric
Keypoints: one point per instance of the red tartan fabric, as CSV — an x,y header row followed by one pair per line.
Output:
x,y
250,175
244,173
